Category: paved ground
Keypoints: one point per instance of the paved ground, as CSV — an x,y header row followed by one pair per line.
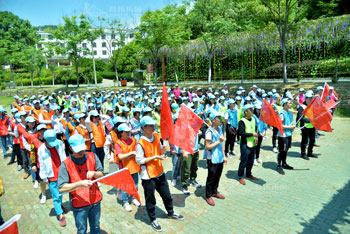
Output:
x,y
314,198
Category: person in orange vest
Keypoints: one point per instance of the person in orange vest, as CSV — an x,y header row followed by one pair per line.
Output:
x,y
65,120
126,152
16,150
75,177
98,136
46,114
84,131
16,104
35,112
149,155
4,129
26,106
51,155
36,143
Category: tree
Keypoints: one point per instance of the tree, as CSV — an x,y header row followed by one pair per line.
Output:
x,y
212,21
33,60
128,59
284,14
70,37
160,28
16,34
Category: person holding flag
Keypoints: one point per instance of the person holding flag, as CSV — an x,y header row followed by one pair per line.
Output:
x,y
278,108
149,155
285,140
75,175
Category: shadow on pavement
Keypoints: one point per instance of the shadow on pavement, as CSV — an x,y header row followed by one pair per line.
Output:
x,y
143,216
202,163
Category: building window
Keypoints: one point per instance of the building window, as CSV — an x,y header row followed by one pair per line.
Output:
x,y
84,45
84,52
103,36
103,44
104,52
131,35
112,36
94,44
95,52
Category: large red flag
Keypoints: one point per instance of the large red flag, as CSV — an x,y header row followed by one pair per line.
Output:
x,y
166,119
330,104
10,227
326,91
269,116
318,115
186,128
121,180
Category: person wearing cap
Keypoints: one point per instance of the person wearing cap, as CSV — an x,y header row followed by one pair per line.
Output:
x,y
16,104
222,105
57,123
285,140
247,129
84,131
98,135
149,155
126,152
135,124
75,175
254,89
231,124
35,144
215,156
261,127
307,129
36,110
301,97
16,150
278,108
4,126
71,128
51,154
319,91
177,93
74,107
26,106
46,114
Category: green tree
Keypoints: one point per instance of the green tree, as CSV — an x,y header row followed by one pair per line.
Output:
x,y
161,28
70,36
33,60
128,59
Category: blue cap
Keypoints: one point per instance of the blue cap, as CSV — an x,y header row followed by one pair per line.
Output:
x,y
90,104
136,110
264,95
118,119
257,105
50,137
319,88
46,103
284,101
308,95
238,98
230,101
18,117
269,93
65,110
214,113
16,97
273,90
254,86
147,109
124,128
56,108
248,99
247,106
276,95
222,98
94,113
36,102
77,142
2,109
147,121
301,90
21,113
30,119
125,109
41,126
77,116
174,106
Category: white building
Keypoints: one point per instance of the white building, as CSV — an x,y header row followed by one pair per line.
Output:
x,y
103,47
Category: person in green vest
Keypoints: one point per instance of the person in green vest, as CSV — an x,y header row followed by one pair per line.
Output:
x,y
278,108
239,109
222,106
307,129
248,131
107,104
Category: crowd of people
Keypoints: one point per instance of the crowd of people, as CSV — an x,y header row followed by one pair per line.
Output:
x,y
63,140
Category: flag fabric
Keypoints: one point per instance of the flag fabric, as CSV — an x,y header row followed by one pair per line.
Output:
x,y
122,180
326,91
186,128
330,104
166,119
269,116
335,93
10,227
318,115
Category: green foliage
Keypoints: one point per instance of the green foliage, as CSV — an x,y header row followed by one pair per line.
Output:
x,y
87,63
127,57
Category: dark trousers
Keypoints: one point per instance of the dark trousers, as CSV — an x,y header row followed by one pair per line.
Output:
x,y
189,168
284,143
274,136
247,160
1,219
258,146
160,184
100,153
230,142
25,159
213,178
307,134
16,152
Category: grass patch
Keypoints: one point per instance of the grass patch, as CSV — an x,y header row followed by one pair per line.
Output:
x,y
342,112
6,103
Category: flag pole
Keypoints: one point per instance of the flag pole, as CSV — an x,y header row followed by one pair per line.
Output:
x,y
299,120
334,105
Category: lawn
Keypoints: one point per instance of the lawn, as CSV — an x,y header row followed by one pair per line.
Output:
x,y
6,103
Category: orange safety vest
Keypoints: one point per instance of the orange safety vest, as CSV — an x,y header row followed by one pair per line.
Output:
x,y
4,130
13,125
83,196
85,133
129,163
26,108
114,141
17,106
98,133
154,167
47,116
71,128
36,113
65,123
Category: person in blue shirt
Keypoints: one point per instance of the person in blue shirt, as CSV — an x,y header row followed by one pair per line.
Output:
x,y
231,122
261,126
285,141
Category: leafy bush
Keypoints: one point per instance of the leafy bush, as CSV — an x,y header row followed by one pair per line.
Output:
x,y
107,75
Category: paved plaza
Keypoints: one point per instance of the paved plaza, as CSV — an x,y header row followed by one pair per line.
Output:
x,y
313,198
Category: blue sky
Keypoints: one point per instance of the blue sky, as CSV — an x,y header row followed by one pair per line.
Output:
x,y
50,12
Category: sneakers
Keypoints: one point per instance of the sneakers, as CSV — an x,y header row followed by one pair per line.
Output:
x,y
127,207
228,155
280,170
233,153
26,176
218,195
19,168
185,190
210,201
251,177
287,167
156,227
256,162
62,221
43,199
176,216
242,181
173,183
195,184
135,202
259,160
275,150
65,211
36,184
303,155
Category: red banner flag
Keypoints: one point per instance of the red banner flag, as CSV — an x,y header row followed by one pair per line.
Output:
x,y
10,227
335,93
326,91
269,116
121,180
318,115
166,119
186,128
330,104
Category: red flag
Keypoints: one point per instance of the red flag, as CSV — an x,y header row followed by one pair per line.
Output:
x,y
335,93
330,104
121,180
326,91
186,128
318,115
10,227
166,119
269,116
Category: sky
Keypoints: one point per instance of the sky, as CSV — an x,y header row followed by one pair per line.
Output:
x,y
50,12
